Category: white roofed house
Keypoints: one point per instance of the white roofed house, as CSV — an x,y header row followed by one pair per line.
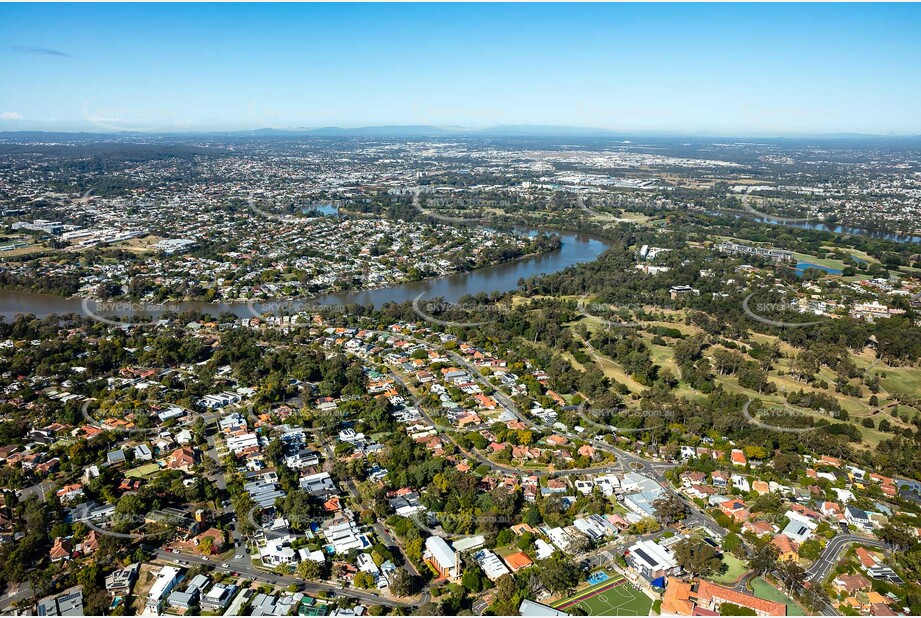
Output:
x,y
316,555
584,486
218,597
543,549
857,517
407,505
608,484
166,581
318,484
559,537
365,563
120,581
232,423
469,543
278,551
491,565
345,536
651,560
800,527
596,527
635,482
264,493
185,600
740,482
239,443
170,413
844,495
90,473
349,435
304,458
212,402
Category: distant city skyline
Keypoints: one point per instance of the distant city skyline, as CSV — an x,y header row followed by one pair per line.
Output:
x,y
710,69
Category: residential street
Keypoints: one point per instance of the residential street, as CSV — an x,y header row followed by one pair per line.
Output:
x,y
829,557
245,568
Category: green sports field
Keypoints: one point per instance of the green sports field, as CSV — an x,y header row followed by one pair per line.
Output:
x,y
613,597
764,590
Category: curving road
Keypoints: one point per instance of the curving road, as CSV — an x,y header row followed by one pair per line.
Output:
x,y
627,461
829,557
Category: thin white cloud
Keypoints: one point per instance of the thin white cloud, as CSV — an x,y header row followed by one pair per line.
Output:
x,y
41,51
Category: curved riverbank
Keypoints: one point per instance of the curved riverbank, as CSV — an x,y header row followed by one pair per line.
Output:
x,y
577,248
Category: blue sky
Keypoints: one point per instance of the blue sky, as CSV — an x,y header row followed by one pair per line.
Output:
x,y
720,69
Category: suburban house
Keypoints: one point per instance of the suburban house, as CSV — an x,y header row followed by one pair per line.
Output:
x,y
167,579
651,560
181,459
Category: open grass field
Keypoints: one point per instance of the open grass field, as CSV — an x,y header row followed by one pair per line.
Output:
x,y
142,471
899,379
140,245
662,355
861,255
613,597
764,590
821,261
22,251
736,569
892,379
613,370
633,217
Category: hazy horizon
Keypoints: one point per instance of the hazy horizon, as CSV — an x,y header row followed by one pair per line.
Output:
x,y
435,131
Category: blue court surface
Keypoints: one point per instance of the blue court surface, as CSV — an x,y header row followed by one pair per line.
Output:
x,y
597,578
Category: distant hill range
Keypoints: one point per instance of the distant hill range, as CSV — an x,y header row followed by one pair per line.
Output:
x,y
423,131
374,131
436,131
